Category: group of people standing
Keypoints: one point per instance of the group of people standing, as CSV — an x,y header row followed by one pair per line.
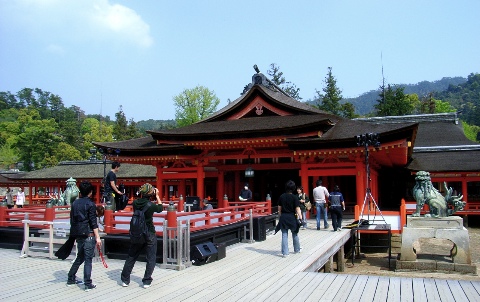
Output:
x,y
292,211
20,198
84,214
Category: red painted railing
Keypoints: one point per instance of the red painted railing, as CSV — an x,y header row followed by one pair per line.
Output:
x,y
118,222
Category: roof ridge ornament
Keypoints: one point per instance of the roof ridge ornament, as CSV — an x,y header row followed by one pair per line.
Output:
x,y
260,79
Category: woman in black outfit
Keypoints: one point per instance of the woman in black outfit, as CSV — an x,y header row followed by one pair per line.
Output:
x,y
288,206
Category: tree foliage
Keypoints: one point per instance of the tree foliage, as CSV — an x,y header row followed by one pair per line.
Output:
x,y
37,130
193,105
331,97
393,101
278,79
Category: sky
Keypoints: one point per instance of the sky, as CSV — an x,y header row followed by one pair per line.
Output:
x,y
103,54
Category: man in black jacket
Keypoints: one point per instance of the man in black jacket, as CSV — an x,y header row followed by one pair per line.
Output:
x,y
83,226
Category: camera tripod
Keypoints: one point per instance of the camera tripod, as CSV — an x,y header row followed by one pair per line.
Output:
x,y
366,140
368,195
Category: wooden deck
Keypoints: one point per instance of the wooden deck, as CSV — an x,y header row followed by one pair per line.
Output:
x,y
250,272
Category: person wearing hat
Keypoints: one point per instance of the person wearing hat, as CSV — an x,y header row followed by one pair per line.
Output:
x,y
245,194
149,196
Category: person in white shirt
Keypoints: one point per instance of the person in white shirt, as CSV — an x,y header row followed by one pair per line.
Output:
x,y
20,198
320,195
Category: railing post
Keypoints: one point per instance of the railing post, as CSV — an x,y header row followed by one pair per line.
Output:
x,y
180,203
403,214
49,212
3,213
225,201
269,204
108,220
171,216
251,226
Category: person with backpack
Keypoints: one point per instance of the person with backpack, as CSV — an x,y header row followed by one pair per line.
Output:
x,y
142,234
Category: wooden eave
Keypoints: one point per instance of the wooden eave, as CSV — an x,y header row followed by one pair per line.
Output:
x,y
252,127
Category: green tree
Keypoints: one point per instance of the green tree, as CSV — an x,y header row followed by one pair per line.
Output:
x,y
133,130
348,110
8,156
121,125
193,105
95,131
330,99
36,139
472,132
393,101
278,79
63,152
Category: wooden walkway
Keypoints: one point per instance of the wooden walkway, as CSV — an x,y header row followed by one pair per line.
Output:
x,y
250,272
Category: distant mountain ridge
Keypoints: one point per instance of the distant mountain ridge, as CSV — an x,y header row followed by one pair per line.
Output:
x,y
364,103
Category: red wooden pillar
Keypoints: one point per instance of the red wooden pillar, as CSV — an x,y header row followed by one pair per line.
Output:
x,y
304,181
360,183
220,189
159,184
237,185
108,220
200,181
3,214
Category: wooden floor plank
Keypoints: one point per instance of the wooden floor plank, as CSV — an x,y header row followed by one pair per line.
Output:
x,y
406,289
381,292
444,290
419,291
394,290
469,290
368,293
431,290
249,272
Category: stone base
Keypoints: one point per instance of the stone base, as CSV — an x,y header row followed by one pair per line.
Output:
x,y
429,266
450,228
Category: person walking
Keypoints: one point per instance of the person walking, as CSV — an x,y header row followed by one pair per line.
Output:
x,y
337,206
320,195
20,198
9,197
147,192
83,226
304,200
111,188
288,207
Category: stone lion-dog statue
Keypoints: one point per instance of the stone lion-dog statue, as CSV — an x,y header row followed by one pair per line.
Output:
x,y
440,206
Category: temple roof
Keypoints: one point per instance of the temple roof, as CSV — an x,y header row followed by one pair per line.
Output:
x,y
84,170
440,145
263,111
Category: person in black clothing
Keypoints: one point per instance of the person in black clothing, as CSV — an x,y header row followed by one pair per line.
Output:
x,y
83,218
337,206
245,194
111,185
147,192
288,207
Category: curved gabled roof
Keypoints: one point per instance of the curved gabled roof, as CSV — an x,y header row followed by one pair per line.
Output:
x,y
277,98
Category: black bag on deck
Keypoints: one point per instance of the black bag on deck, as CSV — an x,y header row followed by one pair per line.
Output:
x,y
122,201
138,226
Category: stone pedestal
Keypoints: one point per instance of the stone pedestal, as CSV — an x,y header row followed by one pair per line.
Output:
x,y
450,228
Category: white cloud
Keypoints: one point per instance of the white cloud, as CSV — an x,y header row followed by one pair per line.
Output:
x,y
55,49
123,21
82,21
